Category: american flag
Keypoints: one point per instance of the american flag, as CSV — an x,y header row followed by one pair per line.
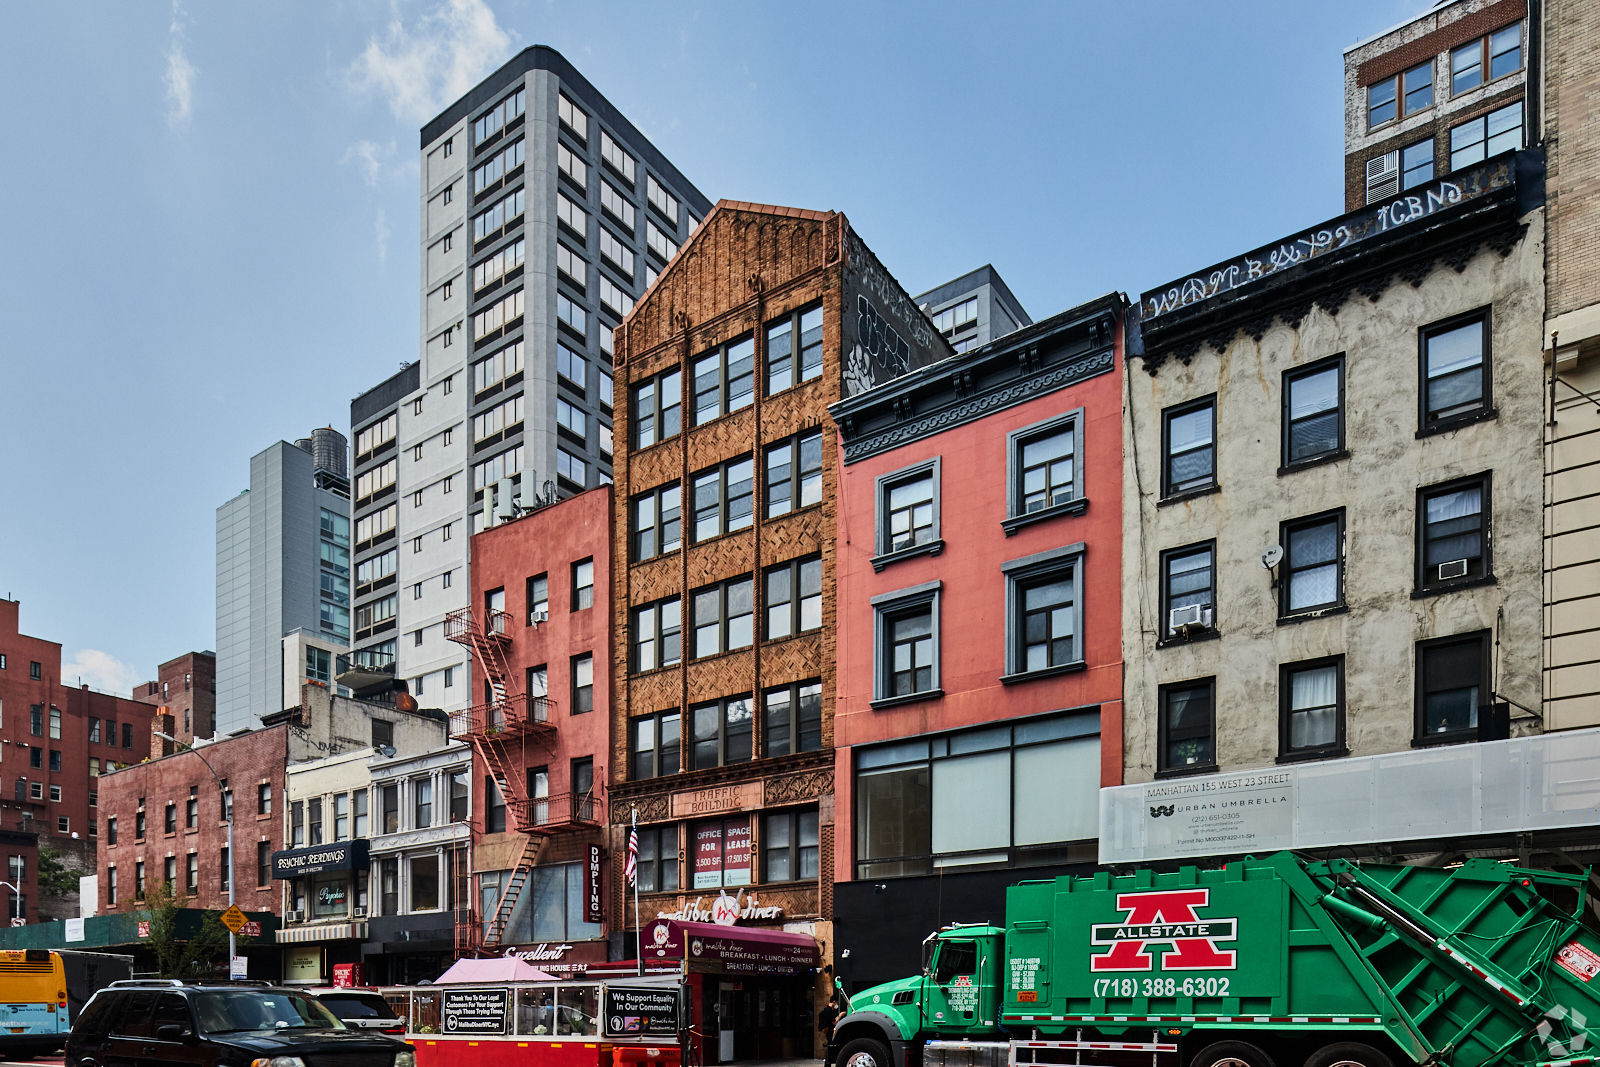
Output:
x,y
632,867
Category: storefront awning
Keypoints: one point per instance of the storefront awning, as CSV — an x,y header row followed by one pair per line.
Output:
x,y
730,949
299,935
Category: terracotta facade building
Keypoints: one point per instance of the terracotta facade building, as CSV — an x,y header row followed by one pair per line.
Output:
x,y
725,531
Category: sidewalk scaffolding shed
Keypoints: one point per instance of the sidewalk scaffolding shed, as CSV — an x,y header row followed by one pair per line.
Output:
x,y
544,1024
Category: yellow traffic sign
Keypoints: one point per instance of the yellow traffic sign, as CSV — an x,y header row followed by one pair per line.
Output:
x,y
234,919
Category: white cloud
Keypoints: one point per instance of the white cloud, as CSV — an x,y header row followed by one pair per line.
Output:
x,y
383,238
367,154
100,670
179,78
423,69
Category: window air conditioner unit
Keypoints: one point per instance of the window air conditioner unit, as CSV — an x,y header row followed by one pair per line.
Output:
x,y
542,615
292,916
1456,568
1193,615
1383,177
360,913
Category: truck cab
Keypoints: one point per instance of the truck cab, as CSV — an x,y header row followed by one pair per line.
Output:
x,y
957,995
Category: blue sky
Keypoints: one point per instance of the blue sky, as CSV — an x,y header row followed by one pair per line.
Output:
x,y
210,235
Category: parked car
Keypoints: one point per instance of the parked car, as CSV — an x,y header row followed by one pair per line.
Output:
x,y
219,1024
362,1009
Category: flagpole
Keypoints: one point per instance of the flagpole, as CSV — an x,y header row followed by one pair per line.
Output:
x,y
638,920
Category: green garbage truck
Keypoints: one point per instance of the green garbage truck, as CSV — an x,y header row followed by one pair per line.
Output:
x,y
1275,962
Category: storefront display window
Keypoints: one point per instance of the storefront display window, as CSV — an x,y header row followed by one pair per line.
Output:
x,y
331,896
722,853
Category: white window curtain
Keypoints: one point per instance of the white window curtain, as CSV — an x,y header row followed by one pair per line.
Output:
x,y
1313,707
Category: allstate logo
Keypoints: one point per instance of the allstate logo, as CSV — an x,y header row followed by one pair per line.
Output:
x,y
1158,810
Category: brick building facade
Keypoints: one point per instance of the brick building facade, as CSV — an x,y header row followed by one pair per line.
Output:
x,y
188,685
726,530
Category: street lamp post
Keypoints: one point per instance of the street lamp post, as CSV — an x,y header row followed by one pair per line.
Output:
x,y
17,891
227,808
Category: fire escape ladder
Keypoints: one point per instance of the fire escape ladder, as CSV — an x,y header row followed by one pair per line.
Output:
x,y
487,640
512,890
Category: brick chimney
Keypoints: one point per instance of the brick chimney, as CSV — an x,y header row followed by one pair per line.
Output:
x,y
163,722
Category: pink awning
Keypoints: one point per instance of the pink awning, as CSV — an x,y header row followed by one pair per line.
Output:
x,y
495,969
730,949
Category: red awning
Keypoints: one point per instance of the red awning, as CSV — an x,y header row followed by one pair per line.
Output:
x,y
730,949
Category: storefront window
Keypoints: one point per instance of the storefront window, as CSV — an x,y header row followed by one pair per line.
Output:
x,y
331,896
576,1008
721,853
533,1010
389,885
425,883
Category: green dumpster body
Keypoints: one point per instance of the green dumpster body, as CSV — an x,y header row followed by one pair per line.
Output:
x,y
1476,965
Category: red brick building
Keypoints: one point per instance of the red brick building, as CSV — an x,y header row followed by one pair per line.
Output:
x,y
164,820
979,631
54,743
539,628
725,534
187,685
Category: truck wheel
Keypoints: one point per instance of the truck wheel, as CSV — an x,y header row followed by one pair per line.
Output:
x,y
1235,1054
864,1052
1348,1054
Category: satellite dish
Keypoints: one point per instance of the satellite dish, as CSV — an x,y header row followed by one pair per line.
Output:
x,y
1272,556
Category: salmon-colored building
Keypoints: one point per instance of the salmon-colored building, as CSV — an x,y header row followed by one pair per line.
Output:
x,y
979,635
538,627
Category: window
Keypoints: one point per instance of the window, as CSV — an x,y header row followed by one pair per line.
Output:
x,y
1311,698
583,585
614,298
798,333
1453,533
421,803
613,155
658,409
34,670
906,639
572,316
661,200
908,512
1311,578
960,317
36,719
424,883
498,421
504,314
264,799
1188,448
497,370
977,796
449,677
1499,52
1044,593
499,116
389,797
791,719
504,214
1187,728
1044,469
494,807
572,117
172,818
504,263
192,874
722,499
55,760
722,732
170,874
657,870
615,205
794,597
341,817
376,435
138,880
138,821
263,863
314,820
446,578
724,380
94,766
1413,90
1416,164
653,746
368,528
55,790
789,846
1455,385
380,611
572,266
618,254
1313,412
572,419
94,731
1188,591
1485,136
572,216
460,807
375,569
794,473
538,599
582,683
111,830
721,852
571,165
658,634
1452,681
502,164
606,441
505,465
723,617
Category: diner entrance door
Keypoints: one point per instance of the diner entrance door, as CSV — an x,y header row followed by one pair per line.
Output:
x,y
726,995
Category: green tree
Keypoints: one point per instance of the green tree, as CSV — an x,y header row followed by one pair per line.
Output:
x,y
55,877
177,956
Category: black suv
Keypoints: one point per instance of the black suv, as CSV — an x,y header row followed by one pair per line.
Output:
x,y
224,1024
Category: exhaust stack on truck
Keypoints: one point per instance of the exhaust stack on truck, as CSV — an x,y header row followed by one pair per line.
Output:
x,y
1278,962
